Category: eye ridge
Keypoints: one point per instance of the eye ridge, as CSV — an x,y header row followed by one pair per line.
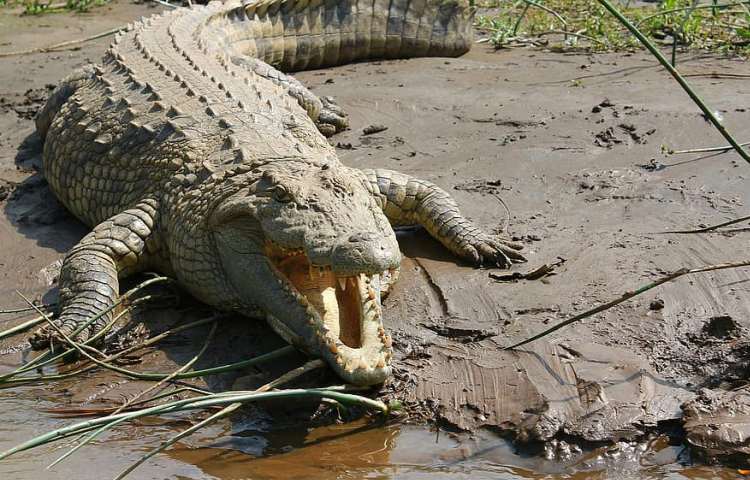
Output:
x,y
281,194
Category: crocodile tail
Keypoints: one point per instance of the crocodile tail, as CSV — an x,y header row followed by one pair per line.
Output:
x,y
295,35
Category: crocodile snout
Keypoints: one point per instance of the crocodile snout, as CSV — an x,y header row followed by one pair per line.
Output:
x,y
365,252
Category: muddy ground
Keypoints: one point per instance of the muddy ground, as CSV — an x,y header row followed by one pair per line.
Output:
x,y
572,143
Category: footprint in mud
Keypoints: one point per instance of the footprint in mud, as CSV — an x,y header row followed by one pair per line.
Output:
x,y
621,184
623,133
26,106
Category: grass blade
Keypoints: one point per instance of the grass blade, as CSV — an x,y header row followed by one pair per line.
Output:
x,y
676,75
22,327
47,358
628,295
217,399
221,414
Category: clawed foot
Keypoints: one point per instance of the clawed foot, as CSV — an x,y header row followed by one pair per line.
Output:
x,y
489,250
332,118
48,336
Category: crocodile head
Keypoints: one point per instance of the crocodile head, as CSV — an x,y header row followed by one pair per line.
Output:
x,y
308,245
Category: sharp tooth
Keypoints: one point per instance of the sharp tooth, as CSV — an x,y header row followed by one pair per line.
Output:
x,y
381,363
310,271
320,271
363,364
333,348
342,283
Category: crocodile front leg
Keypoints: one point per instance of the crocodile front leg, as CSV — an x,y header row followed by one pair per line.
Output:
x,y
406,200
89,276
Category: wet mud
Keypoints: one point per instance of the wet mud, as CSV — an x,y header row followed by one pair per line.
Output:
x,y
573,145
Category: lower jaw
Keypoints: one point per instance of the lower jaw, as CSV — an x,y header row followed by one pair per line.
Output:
x,y
359,376
351,368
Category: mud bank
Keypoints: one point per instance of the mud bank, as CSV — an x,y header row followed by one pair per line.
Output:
x,y
573,145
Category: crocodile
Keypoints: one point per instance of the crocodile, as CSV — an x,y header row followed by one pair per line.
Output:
x,y
190,152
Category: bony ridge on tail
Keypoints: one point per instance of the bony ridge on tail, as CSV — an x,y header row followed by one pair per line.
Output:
x,y
189,152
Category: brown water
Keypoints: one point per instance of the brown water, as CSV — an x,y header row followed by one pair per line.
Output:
x,y
251,446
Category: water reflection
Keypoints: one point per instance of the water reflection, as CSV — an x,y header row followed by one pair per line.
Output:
x,y
336,452
359,450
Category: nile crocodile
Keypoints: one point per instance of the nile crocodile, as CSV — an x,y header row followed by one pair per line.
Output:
x,y
189,152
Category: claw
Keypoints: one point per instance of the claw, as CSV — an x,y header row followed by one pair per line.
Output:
x,y
494,251
39,340
332,119
506,262
516,256
330,104
48,337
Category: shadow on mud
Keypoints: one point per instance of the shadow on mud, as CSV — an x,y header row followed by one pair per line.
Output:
x,y
34,210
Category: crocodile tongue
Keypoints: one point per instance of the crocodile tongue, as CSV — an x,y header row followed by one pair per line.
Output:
x,y
337,299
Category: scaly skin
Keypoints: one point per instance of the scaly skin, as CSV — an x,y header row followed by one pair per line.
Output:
x,y
189,153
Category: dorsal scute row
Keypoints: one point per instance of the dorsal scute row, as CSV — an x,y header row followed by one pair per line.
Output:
x,y
167,75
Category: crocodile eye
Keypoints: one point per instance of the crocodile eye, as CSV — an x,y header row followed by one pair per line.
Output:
x,y
281,194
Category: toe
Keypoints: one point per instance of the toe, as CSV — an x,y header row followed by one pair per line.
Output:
x,y
332,119
40,339
327,129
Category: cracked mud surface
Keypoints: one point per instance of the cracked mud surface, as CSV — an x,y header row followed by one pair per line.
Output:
x,y
572,145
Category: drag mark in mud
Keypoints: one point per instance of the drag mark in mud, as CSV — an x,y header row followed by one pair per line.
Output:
x,y
437,292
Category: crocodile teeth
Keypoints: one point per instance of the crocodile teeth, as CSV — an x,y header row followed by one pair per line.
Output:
x,y
349,367
342,283
363,364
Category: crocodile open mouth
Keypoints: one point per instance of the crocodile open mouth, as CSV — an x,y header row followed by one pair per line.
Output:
x,y
346,309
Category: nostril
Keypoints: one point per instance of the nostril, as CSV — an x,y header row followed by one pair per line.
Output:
x,y
362,237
